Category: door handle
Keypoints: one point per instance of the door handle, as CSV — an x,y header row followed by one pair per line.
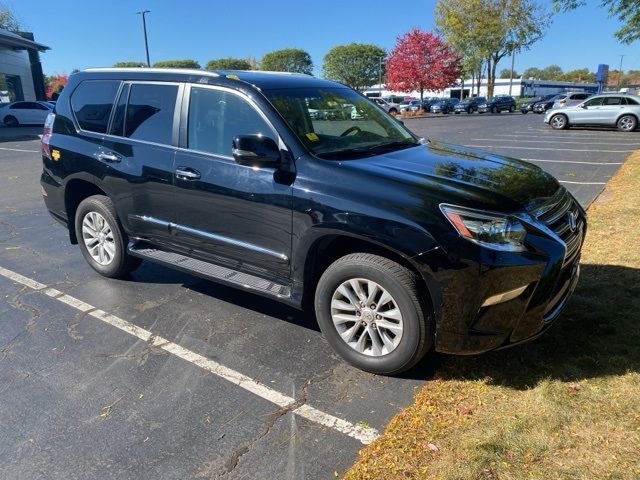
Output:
x,y
108,157
186,173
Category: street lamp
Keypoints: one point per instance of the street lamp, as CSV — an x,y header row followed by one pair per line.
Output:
x,y
144,27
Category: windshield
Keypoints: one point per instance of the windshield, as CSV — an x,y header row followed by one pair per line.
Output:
x,y
338,123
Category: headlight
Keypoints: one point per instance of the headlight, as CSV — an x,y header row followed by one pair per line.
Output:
x,y
498,232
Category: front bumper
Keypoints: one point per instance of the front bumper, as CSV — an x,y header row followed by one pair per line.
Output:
x,y
484,108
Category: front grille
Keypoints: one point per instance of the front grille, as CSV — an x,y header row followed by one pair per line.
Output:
x,y
556,213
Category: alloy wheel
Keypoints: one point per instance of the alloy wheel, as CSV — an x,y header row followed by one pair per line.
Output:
x,y
98,238
558,122
366,317
626,124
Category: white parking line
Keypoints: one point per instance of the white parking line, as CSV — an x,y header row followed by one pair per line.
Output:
x,y
570,161
579,142
18,150
553,149
582,183
365,435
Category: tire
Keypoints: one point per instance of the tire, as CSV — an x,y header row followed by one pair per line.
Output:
x,y
469,111
411,341
512,109
495,110
11,121
559,121
524,112
627,123
117,262
393,111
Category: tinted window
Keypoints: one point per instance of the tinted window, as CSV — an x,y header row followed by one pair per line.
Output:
x,y
579,96
593,102
216,117
19,106
117,127
612,101
631,101
150,111
92,102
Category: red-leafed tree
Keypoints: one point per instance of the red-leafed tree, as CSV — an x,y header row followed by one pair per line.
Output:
x,y
421,61
54,85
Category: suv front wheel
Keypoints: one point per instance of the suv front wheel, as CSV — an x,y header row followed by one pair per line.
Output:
x,y
370,311
101,238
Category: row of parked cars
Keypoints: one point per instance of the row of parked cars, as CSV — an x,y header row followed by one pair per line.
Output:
x,y
546,102
495,104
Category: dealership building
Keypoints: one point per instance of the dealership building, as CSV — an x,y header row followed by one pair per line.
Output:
x,y
21,75
519,87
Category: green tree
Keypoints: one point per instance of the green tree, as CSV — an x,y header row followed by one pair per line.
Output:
x,y
8,20
185,63
228,63
356,64
288,60
533,72
506,73
552,72
627,12
129,64
579,75
495,28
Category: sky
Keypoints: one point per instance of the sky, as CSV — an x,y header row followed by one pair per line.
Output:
x,y
92,33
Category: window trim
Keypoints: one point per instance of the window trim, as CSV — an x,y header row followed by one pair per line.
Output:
x,y
183,143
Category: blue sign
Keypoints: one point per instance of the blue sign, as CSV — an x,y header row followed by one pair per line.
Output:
x,y
603,73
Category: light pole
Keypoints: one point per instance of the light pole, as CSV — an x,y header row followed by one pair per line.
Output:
x,y
144,27
620,72
513,59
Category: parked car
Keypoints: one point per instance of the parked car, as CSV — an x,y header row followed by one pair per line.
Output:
x,y
570,99
609,110
469,105
445,105
527,106
409,106
388,107
497,104
24,113
429,101
545,105
398,244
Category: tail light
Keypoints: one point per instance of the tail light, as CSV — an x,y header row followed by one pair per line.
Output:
x,y
46,135
563,101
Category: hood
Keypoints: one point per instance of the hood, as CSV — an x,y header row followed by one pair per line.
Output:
x,y
461,174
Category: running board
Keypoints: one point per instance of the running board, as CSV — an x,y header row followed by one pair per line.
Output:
x,y
210,271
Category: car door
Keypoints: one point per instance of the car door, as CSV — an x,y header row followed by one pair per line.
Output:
x,y
585,113
137,156
20,111
234,214
610,110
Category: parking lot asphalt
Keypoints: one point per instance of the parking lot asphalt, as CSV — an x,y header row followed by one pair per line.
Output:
x,y
582,159
165,375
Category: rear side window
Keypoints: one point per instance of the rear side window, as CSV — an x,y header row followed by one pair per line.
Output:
x,y
217,116
631,101
92,102
612,101
579,96
150,112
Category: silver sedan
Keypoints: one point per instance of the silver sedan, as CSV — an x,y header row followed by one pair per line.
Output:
x,y
610,110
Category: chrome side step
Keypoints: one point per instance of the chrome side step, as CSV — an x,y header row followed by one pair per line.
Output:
x,y
210,271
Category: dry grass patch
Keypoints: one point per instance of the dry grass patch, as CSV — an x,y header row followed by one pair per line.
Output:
x,y
566,406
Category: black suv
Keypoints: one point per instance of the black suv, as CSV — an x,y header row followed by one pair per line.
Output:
x,y
469,105
527,106
498,104
398,243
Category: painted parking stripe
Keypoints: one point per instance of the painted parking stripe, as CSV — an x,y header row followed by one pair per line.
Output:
x,y
18,150
365,435
570,161
554,149
554,141
582,183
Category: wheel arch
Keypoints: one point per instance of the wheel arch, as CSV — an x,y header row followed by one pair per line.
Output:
x,y
76,190
628,114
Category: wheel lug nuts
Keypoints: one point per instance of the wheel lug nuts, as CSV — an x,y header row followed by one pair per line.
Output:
x,y
378,317
373,306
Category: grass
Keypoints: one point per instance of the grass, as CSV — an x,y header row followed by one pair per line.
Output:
x,y
566,406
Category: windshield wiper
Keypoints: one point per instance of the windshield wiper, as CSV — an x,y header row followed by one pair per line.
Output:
x,y
391,145
368,151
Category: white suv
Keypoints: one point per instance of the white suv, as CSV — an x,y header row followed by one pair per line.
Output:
x,y
389,107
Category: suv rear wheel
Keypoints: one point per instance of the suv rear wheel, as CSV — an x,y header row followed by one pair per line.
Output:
x,y
370,311
627,123
512,108
495,110
101,238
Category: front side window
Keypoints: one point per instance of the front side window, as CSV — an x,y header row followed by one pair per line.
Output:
x,y
216,117
593,102
338,123
92,102
150,112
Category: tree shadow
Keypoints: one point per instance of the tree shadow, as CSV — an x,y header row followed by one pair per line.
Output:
x,y
597,335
